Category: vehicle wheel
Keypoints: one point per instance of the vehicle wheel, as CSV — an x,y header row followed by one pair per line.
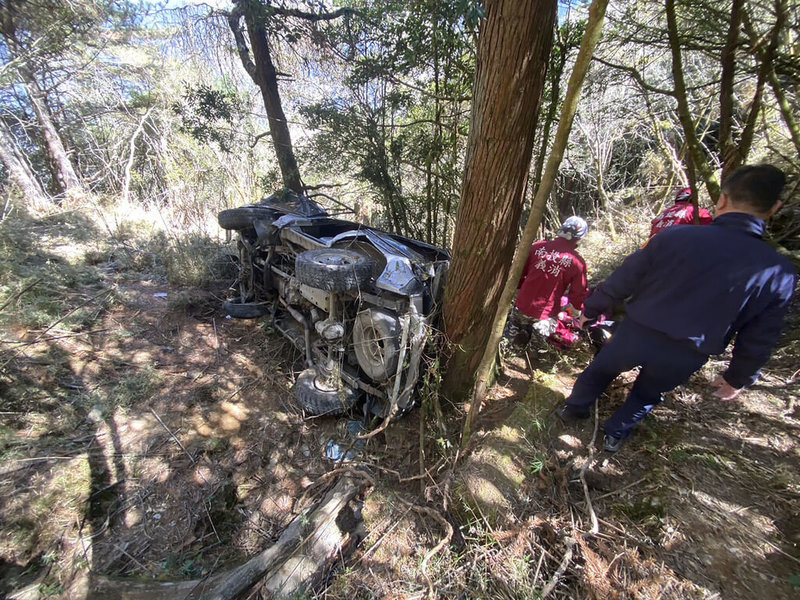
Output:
x,y
318,398
376,341
245,310
333,269
243,217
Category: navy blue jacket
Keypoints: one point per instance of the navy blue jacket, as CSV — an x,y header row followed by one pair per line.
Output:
x,y
704,285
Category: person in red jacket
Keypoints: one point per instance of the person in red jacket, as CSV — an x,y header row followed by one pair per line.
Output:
x,y
680,213
554,269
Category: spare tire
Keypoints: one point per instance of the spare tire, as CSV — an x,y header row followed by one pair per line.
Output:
x,y
316,397
239,309
243,217
376,341
333,269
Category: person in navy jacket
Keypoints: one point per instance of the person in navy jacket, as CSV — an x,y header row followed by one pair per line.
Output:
x,y
691,291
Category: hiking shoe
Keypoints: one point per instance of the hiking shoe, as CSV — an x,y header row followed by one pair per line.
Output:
x,y
612,443
567,414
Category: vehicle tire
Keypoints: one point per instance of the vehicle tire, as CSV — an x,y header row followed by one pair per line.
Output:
x,y
243,217
333,269
316,398
376,341
245,310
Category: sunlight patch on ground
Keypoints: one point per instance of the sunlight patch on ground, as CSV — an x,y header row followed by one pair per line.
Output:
x,y
570,440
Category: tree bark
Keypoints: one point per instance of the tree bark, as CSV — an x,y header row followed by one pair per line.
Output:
x,y
20,172
766,72
559,60
727,147
594,29
68,180
684,114
126,180
64,173
262,70
513,49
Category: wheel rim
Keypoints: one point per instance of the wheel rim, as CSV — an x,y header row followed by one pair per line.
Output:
x,y
374,345
336,259
323,386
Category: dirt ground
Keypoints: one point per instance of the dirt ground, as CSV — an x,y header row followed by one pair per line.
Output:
x,y
159,440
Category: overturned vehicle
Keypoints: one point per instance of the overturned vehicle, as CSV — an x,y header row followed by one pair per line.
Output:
x,y
356,301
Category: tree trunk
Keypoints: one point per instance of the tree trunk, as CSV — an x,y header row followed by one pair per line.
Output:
x,y
727,147
786,110
67,179
513,49
557,65
64,173
765,73
19,170
126,180
262,71
684,114
594,29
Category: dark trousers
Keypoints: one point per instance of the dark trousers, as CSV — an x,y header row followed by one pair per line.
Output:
x,y
665,364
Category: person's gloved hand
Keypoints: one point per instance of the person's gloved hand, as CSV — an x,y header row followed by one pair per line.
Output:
x,y
583,321
724,390
572,311
545,327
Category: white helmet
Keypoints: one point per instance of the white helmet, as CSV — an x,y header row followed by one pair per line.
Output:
x,y
573,228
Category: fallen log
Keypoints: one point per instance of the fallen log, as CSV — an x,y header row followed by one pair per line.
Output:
x,y
295,563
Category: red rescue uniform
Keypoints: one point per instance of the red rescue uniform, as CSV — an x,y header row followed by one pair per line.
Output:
x,y
554,269
680,213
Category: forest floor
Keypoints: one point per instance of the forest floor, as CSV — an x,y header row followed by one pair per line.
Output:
x,y
145,435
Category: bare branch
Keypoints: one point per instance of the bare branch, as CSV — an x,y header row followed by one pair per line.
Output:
x,y
234,21
636,75
327,16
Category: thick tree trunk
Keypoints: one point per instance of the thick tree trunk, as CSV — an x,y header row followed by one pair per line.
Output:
x,y
513,49
19,170
262,70
594,29
66,177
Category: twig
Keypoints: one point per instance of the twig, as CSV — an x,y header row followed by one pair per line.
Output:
x,y
77,308
208,514
199,472
18,294
106,488
401,479
424,510
53,338
174,437
216,339
422,470
383,536
592,515
393,408
622,489
538,566
143,567
560,571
